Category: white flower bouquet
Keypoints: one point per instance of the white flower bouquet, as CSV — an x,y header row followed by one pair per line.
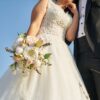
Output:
x,y
29,53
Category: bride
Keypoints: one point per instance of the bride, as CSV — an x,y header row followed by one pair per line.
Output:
x,y
60,81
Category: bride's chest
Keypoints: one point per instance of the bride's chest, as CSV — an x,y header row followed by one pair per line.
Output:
x,y
55,14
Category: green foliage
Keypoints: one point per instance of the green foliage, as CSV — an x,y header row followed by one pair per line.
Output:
x,y
46,56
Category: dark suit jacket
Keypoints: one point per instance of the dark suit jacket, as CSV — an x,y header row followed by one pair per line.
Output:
x,y
92,31
92,26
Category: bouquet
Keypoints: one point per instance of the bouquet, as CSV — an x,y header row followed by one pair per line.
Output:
x,y
29,53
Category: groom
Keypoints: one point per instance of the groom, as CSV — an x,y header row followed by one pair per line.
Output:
x,y
87,46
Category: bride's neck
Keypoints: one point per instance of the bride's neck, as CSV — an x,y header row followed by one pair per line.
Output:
x,y
60,3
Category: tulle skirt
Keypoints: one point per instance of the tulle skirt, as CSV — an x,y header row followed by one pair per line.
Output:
x,y
60,81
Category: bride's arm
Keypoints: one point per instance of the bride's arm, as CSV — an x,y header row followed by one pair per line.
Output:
x,y
70,35
37,15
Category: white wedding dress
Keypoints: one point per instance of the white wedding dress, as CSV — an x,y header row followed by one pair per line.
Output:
x,y
61,81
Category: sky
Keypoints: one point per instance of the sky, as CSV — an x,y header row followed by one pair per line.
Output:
x,y
14,18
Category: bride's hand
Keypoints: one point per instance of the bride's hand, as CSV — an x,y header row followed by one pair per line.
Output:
x,y
73,8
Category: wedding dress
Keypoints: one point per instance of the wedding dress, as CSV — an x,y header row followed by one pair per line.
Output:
x,y
61,80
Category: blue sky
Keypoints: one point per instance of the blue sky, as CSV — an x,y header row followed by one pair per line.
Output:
x,y
14,18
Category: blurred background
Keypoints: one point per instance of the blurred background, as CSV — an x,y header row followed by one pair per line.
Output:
x,y
14,18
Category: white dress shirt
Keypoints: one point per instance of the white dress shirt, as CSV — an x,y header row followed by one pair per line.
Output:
x,y
82,8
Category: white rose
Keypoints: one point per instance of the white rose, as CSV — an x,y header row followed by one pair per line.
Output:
x,y
19,40
31,40
27,54
19,50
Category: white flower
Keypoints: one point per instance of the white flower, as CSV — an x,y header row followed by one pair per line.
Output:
x,y
17,42
40,36
29,53
19,50
31,40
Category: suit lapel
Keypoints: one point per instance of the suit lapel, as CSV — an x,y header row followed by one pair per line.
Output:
x,y
88,6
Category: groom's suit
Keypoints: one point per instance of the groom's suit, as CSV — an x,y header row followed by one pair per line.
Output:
x,y
87,49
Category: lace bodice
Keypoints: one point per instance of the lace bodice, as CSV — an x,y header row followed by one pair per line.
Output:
x,y
56,21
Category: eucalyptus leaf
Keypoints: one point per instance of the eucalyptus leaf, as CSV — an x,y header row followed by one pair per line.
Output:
x,y
46,56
